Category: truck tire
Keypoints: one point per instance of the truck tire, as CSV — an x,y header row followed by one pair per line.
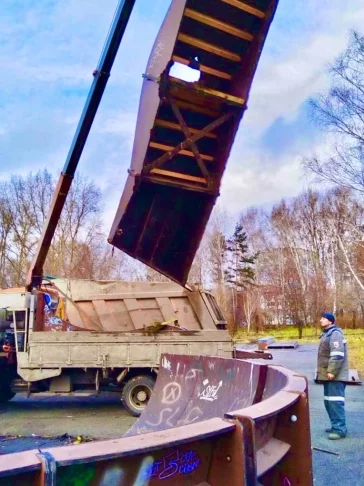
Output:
x,y
136,394
6,395
5,392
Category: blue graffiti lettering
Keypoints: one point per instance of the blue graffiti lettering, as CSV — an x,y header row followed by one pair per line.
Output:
x,y
188,468
170,465
174,463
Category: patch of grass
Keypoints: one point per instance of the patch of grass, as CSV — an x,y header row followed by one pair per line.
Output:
x,y
356,354
354,337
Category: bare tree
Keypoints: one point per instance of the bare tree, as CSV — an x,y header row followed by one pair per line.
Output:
x,y
80,223
341,111
21,237
199,273
79,246
154,276
251,301
6,221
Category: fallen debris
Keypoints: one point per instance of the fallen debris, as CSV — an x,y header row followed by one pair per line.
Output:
x,y
68,439
283,345
326,451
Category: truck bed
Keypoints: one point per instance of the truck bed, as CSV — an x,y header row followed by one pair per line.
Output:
x,y
57,351
114,306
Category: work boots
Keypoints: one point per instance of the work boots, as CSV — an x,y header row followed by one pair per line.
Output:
x,y
335,436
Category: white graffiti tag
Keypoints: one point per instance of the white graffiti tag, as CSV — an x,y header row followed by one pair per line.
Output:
x,y
166,364
171,392
192,374
163,414
157,53
210,392
194,414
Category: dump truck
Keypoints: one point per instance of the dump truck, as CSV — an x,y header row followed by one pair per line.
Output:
x,y
77,337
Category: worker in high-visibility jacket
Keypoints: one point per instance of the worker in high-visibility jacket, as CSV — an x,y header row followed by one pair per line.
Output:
x,y
333,371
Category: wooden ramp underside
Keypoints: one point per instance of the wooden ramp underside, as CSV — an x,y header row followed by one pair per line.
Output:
x,y
180,156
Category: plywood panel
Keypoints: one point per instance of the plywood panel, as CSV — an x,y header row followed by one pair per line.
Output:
x,y
136,315
167,309
83,314
122,317
106,316
148,303
151,316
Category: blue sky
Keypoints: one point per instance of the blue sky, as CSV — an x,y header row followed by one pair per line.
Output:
x,y
49,48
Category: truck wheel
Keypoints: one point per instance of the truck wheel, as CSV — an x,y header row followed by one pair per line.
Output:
x,y
136,394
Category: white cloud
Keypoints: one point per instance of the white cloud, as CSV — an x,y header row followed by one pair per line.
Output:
x,y
258,179
123,123
49,50
243,187
295,68
304,40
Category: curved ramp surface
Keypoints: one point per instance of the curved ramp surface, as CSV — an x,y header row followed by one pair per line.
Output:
x,y
185,130
191,433
190,389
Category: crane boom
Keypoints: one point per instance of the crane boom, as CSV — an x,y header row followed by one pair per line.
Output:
x,y
101,76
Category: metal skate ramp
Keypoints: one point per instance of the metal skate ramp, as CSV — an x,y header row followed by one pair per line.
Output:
x,y
193,432
191,389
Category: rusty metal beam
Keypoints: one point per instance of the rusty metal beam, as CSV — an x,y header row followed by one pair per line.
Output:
x,y
169,149
185,105
177,180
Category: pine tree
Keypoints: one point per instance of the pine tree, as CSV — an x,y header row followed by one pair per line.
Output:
x,y
240,272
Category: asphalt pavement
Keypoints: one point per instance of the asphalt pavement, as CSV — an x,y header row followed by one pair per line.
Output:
x,y
31,423
344,469
49,422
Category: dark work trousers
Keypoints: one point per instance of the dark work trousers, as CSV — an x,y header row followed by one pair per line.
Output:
x,y
334,397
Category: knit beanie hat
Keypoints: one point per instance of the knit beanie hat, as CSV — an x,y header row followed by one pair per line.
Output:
x,y
330,317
